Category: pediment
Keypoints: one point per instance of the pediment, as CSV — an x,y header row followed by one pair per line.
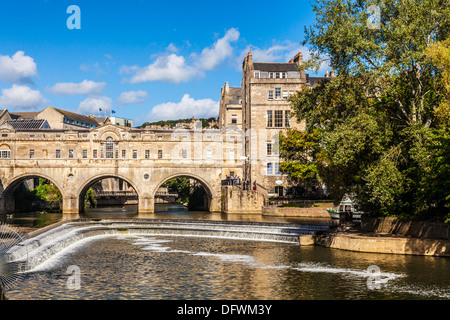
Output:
x,y
112,130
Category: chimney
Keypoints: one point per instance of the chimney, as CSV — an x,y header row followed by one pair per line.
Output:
x,y
332,74
298,59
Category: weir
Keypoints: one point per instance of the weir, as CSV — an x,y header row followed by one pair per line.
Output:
x,y
42,245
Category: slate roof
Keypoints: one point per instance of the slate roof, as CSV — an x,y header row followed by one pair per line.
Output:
x,y
275,67
24,115
76,116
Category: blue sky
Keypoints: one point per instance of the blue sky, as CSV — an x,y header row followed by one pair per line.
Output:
x,y
147,60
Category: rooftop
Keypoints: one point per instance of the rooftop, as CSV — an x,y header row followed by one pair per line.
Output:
x,y
275,67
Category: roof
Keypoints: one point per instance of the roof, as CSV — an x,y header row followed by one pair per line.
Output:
x,y
235,92
76,116
275,67
21,124
24,115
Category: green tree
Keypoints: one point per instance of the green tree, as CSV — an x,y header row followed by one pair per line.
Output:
x,y
382,117
48,193
182,186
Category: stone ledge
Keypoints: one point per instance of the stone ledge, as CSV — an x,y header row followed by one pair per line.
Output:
x,y
385,244
318,212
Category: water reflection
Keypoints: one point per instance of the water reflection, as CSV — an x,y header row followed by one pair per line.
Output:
x,y
150,267
177,211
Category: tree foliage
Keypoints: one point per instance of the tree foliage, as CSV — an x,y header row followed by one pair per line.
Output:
x,y
383,119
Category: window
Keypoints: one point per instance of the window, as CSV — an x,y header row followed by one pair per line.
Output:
x,y
270,169
278,118
287,118
208,154
231,155
283,75
270,94
135,154
277,75
184,154
271,75
160,154
269,148
256,74
94,154
277,93
102,150
285,95
5,154
277,168
147,154
124,154
109,148
31,153
70,154
234,118
84,154
58,154
269,118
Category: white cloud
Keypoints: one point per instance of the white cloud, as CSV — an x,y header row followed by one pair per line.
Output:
x,y
19,67
92,104
186,108
212,57
170,68
172,48
21,97
130,97
86,87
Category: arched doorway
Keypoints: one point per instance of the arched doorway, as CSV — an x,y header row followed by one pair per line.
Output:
x,y
108,191
192,191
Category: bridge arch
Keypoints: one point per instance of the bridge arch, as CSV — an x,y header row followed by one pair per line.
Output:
x,y
92,180
7,188
210,194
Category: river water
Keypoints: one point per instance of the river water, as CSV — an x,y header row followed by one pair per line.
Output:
x,y
193,268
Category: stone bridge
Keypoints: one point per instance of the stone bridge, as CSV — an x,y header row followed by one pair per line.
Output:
x,y
145,159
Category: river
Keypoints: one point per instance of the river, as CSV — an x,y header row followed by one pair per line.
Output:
x,y
133,267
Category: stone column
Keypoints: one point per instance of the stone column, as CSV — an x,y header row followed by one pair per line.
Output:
x,y
71,207
146,205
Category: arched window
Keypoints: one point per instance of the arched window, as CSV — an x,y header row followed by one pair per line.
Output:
x,y
5,152
109,148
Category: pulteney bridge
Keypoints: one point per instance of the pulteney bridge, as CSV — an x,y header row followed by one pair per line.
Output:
x,y
145,159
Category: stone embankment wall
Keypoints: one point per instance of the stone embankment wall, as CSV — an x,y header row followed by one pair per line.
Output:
x,y
236,200
394,236
415,229
318,212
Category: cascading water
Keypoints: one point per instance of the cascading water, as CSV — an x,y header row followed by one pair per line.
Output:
x,y
38,249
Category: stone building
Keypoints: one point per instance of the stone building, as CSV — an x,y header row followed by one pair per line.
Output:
x,y
56,118
260,110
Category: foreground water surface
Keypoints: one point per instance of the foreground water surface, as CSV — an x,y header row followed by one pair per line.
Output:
x,y
166,267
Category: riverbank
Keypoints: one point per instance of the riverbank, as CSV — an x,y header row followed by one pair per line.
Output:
x,y
419,238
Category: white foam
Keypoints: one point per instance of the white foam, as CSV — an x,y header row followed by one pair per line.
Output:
x,y
382,277
58,259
